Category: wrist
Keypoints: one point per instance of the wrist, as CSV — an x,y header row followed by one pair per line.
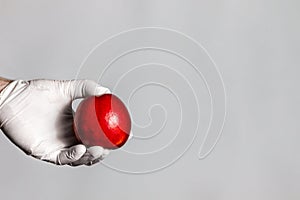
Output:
x,y
3,83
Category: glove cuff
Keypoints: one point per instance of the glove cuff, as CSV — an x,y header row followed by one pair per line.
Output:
x,y
11,91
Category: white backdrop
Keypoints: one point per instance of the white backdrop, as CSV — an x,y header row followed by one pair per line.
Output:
x,y
254,43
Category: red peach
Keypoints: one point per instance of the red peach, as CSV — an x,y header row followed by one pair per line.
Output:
x,y
102,121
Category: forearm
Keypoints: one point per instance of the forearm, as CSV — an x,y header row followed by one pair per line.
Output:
x,y
3,83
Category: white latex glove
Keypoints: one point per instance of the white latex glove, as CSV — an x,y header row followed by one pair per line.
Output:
x,y
37,116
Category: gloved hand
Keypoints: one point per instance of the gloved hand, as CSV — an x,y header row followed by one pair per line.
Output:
x,y
37,116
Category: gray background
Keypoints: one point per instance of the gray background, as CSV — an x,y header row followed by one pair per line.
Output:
x,y
255,44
